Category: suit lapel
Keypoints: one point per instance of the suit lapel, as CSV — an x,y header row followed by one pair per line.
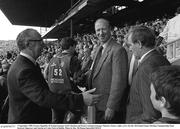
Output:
x,y
103,58
92,69
97,51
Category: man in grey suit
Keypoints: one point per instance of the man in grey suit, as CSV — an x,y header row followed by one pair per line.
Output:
x,y
142,42
109,75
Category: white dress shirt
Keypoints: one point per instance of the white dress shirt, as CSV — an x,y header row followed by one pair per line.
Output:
x,y
131,67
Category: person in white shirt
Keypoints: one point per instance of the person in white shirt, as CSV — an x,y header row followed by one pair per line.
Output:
x,y
171,33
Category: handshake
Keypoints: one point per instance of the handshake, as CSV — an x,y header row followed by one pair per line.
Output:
x,y
89,98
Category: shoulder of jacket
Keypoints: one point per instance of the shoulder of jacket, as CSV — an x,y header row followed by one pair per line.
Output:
x,y
115,44
118,47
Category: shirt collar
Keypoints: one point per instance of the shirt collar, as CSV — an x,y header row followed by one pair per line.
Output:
x,y
140,60
105,44
28,56
65,51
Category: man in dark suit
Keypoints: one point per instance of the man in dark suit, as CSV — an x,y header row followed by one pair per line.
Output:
x,y
30,100
142,41
109,75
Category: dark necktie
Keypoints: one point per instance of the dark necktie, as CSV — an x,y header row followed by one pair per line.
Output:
x,y
98,57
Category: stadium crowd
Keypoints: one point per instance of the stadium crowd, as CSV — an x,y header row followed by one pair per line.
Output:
x,y
89,42
120,95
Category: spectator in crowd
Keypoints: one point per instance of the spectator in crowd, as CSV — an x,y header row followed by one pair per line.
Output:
x,y
62,68
3,82
8,55
1,71
46,63
109,75
142,42
165,94
89,40
30,100
4,92
120,39
171,33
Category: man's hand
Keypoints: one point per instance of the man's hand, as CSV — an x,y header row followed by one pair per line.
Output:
x,y
109,113
90,99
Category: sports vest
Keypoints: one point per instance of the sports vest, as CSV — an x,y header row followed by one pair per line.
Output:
x,y
59,73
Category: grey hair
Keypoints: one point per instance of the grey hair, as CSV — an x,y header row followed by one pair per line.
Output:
x,y
23,37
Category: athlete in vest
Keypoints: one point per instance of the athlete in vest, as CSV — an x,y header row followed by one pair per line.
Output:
x,y
61,70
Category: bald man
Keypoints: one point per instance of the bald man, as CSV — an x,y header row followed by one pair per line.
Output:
x,y
30,100
109,75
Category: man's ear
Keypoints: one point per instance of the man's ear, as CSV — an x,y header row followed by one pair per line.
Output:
x,y
140,44
163,102
29,45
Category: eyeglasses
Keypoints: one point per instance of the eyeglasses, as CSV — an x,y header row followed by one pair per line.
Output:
x,y
36,40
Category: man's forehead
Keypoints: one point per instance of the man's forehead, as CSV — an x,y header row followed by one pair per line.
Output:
x,y
101,22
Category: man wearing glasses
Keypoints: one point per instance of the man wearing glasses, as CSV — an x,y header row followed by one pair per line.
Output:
x,y
30,100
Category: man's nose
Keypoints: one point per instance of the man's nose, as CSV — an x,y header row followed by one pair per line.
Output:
x,y
101,32
130,48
